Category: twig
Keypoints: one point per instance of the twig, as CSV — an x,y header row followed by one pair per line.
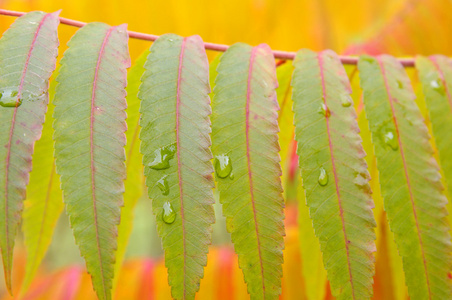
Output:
x,y
284,55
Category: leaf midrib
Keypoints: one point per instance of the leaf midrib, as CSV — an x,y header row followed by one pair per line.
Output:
x,y
405,169
8,153
248,156
179,165
91,137
336,179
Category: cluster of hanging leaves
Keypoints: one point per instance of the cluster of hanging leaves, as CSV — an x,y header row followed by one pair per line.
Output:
x,y
185,139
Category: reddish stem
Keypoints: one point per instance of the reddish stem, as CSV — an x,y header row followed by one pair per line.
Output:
x,y
284,55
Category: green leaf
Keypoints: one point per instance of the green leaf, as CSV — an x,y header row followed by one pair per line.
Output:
x,y
409,177
89,143
135,178
388,264
28,53
213,72
44,202
334,172
245,146
285,117
175,144
312,268
435,73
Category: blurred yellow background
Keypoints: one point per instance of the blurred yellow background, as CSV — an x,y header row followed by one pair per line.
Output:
x,y
399,27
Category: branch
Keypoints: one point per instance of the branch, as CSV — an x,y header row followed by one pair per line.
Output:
x,y
284,55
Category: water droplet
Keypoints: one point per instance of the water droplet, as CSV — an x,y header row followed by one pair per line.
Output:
x,y
231,176
223,166
434,84
323,177
171,40
399,84
346,100
391,140
162,184
162,156
437,87
8,98
169,215
323,109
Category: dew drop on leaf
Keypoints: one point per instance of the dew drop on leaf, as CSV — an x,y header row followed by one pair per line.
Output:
x,y
346,100
437,87
223,166
162,156
400,84
162,184
231,176
390,140
434,84
323,177
8,98
169,215
323,109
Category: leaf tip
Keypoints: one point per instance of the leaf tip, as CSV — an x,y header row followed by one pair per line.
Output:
x,y
56,14
8,284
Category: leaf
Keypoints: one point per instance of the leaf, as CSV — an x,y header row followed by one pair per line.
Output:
x,y
334,172
314,273
135,177
285,117
389,279
28,53
44,202
286,126
175,144
89,143
245,133
213,72
435,73
409,177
